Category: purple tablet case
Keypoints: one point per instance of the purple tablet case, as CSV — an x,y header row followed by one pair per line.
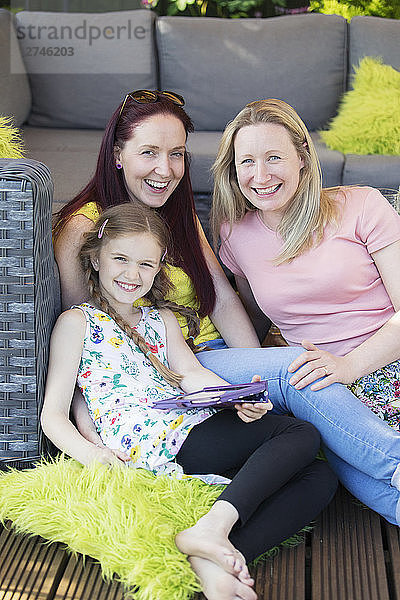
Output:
x,y
221,396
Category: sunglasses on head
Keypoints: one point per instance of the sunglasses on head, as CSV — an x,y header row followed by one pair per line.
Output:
x,y
149,96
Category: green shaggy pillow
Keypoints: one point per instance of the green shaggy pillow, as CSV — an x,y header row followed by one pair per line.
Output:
x,y
11,145
368,121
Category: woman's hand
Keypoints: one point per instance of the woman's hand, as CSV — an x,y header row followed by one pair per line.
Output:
x,y
319,364
249,412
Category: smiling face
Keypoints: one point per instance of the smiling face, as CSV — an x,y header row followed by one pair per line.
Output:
x,y
127,266
153,159
268,169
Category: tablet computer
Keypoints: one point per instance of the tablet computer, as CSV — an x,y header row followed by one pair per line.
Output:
x,y
220,396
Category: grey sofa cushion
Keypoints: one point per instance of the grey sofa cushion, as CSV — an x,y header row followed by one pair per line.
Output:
x,y
70,154
332,162
374,170
15,95
373,36
377,37
99,58
203,148
219,65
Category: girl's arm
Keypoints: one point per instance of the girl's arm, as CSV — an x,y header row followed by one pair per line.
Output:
x,y
377,351
83,420
229,315
74,291
66,250
65,355
182,360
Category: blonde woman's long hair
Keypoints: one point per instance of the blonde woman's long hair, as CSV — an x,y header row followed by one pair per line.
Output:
x,y
123,220
311,208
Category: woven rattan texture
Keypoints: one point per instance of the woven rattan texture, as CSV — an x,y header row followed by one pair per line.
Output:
x,y
28,303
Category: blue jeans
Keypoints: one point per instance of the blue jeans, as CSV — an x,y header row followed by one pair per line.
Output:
x,y
363,451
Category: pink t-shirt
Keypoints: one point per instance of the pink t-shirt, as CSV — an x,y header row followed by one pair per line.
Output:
x,y
332,294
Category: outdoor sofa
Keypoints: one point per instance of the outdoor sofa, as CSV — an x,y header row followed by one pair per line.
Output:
x,y
217,65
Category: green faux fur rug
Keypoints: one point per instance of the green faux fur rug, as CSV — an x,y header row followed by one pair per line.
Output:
x,y
11,145
124,518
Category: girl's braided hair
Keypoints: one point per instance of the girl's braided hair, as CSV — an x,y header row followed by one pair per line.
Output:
x,y
124,220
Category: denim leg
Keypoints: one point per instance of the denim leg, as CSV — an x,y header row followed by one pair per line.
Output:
x,y
346,426
376,494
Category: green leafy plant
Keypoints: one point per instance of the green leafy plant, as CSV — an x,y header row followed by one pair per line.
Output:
x,y
215,8
389,9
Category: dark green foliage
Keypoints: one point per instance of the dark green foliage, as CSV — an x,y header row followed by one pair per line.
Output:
x,y
389,9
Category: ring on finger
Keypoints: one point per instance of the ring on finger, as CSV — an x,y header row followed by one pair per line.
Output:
x,y
325,371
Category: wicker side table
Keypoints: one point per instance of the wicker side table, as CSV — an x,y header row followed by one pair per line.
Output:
x,y
29,304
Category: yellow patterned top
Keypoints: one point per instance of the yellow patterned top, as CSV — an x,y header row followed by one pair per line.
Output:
x,y
183,291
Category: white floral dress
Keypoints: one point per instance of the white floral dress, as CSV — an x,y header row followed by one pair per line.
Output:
x,y
120,385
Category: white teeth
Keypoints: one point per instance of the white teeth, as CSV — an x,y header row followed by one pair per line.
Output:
x,y
157,184
268,190
127,286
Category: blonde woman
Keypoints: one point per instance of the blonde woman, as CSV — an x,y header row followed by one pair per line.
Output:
x,y
320,263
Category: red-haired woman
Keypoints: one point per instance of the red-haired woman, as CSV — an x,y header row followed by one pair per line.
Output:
x,y
143,158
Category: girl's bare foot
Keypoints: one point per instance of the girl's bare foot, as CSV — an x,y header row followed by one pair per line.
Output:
x,y
217,583
201,541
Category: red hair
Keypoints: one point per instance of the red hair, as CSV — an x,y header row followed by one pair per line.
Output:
x,y
107,188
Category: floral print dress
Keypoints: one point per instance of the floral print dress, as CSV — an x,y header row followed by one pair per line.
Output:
x,y
380,391
120,385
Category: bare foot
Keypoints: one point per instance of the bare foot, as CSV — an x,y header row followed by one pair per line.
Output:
x,y
212,545
217,584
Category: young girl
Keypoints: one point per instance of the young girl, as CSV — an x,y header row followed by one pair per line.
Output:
x,y
124,358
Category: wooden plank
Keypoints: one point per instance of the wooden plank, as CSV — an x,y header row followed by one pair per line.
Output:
x,y
347,560
354,555
28,568
282,577
393,562
82,580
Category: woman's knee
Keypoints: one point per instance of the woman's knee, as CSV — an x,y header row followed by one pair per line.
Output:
x,y
238,365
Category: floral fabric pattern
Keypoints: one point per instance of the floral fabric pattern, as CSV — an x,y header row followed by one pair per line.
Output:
x,y
120,385
380,391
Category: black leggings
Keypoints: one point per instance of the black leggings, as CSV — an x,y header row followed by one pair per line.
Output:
x,y
277,485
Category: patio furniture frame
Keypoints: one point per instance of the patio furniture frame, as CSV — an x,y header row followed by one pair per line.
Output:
x,y
29,304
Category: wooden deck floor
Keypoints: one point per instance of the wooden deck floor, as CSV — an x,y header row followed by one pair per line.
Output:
x,y
351,554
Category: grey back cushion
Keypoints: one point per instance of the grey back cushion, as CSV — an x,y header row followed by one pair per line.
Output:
x,y
376,37
94,59
219,65
15,95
